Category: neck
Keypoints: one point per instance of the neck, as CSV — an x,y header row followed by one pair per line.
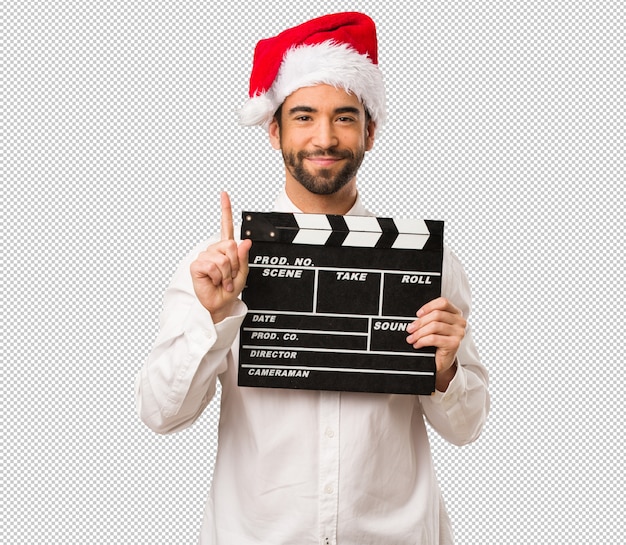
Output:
x,y
310,203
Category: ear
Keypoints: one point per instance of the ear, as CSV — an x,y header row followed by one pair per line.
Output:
x,y
370,135
274,134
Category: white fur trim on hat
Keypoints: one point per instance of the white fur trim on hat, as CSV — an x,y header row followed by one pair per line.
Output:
x,y
325,63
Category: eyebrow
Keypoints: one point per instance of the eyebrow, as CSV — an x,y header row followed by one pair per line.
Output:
x,y
309,109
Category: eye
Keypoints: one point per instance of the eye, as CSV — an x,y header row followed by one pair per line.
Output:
x,y
346,119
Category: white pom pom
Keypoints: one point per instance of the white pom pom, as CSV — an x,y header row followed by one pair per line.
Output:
x,y
258,110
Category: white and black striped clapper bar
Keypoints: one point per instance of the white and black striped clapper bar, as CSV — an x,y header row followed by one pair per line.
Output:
x,y
336,230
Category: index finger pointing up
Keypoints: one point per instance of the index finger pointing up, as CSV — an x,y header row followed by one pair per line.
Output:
x,y
227,231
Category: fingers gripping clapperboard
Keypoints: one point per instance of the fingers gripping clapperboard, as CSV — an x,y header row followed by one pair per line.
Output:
x,y
329,298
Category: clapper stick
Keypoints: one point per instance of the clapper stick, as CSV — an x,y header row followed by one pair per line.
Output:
x,y
335,230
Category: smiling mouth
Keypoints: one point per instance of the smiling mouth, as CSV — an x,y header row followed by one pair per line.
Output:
x,y
324,161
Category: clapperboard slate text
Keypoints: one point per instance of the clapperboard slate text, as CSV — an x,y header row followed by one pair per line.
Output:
x,y
329,299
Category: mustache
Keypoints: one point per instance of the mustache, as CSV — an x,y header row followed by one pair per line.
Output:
x,y
335,154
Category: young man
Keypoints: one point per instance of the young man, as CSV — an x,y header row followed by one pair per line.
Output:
x,y
296,466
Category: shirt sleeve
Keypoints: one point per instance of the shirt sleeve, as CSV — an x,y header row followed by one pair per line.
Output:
x,y
178,378
459,413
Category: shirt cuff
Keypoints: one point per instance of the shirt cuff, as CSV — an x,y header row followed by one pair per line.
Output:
x,y
228,328
217,336
457,386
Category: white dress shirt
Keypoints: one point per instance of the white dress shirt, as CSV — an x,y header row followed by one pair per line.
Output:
x,y
298,467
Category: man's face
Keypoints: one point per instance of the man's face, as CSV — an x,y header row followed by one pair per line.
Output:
x,y
323,135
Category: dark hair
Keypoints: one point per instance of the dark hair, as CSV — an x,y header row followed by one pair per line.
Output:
x,y
278,116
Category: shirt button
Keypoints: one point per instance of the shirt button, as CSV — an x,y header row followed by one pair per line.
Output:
x,y
330,433
328,489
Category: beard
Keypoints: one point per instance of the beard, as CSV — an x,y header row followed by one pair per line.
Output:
x,y
324,182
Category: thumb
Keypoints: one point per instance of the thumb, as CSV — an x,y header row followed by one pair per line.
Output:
x,y
242,253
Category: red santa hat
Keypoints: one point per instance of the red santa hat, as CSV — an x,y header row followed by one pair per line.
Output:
x,y
339,50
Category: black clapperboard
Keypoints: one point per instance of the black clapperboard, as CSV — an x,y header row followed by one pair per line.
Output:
x,y
329,298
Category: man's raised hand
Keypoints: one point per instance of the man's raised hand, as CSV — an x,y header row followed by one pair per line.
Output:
x,y
219,273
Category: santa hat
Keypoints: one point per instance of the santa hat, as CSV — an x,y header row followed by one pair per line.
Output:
x,y
339,50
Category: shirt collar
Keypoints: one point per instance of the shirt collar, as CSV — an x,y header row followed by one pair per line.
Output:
x,y
283,204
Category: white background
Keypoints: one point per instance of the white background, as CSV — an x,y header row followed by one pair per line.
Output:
x,y
506,120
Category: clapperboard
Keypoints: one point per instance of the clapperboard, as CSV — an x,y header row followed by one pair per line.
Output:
x,y
329,298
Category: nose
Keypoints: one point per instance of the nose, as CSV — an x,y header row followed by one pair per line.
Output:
x,y
324,136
